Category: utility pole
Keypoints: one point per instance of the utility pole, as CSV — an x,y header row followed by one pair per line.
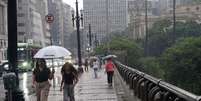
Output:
x,y
146,28
90,36
107,25
78,18
17,94
174,20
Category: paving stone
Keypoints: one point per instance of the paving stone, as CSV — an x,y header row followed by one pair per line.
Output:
x,y
87,89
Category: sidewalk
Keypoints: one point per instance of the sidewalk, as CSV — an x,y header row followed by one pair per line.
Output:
x,y
87,89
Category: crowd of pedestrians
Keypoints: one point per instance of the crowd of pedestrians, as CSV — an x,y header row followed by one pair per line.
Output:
x,y
42,75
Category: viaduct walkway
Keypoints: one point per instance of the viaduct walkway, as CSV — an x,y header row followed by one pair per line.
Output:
x,y
87,89
129,85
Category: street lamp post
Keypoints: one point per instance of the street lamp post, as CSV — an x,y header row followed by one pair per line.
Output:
x,y
146,28
17,94
77,18
174,20
90,36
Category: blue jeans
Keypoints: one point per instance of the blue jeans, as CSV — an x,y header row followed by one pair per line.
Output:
x,y
95,72
68,92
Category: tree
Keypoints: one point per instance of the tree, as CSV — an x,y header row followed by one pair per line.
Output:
x,y
126,49
182,64
151,66
197,1
160,34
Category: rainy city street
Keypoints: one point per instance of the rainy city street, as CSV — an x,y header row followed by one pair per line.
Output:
x,y
100,50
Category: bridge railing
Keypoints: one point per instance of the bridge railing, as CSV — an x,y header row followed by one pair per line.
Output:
x,y
148,88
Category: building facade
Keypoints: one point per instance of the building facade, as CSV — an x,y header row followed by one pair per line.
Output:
x,y
3,30
168,4
55,7
42,8
185,12
104,16
68,25
29,23
136,12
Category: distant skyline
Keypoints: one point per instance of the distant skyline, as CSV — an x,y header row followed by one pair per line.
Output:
x,y
72,3
80,3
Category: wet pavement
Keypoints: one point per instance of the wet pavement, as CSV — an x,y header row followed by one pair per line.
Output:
x,y
87,89
25,85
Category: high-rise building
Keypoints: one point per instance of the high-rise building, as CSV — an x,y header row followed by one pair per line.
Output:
x,y
136,12
42,8
3,30
55,8
29,23
68,25
104,16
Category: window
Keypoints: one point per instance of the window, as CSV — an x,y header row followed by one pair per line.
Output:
x,y
188,9
1,43
20,8
19,1
21,33
21,24
21,15
197,8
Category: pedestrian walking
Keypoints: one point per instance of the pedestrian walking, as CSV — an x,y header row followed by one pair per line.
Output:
x,y
86,64
41,75
95,67
109,67
69,80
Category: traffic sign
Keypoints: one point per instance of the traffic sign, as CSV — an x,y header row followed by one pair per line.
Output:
x,y
49,18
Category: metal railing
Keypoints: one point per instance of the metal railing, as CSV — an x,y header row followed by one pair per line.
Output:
x,y
148,88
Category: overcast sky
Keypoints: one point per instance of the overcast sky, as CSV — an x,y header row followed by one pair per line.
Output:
x,y
72,3
80,3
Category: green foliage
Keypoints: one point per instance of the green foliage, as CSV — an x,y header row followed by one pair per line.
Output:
x,y
182,64
197,1
127,49
160,36
152,67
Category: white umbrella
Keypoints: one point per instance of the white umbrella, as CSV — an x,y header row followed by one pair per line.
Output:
x,y
52,52
110,56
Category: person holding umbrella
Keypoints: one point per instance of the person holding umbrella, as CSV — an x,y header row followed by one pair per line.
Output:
x,y
69,80
109,67
41,75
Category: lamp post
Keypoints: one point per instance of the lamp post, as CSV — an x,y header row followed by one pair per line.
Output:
x,y
17,94
174,20
90,36
77,18
146,29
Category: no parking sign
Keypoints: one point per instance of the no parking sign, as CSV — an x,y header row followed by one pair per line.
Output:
x,y
49,18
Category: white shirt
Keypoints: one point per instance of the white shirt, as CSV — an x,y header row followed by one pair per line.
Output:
x,y
95,64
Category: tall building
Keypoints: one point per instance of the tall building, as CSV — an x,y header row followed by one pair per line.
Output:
x,y
55,7
136,12
104,16
29,23
3,30
42,8
68,25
